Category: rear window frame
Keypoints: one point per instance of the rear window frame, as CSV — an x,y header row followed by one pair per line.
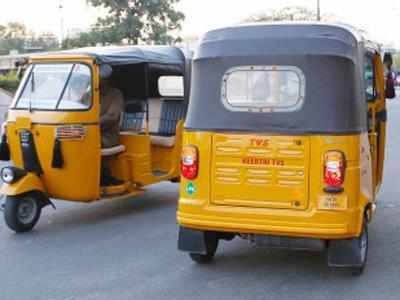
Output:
x,y
265,108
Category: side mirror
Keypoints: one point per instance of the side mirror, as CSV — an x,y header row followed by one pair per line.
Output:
x,y
390,91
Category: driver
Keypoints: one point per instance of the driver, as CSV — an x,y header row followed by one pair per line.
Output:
x,y
111,108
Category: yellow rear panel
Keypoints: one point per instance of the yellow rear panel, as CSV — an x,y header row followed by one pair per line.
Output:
x,y
260,171
269,184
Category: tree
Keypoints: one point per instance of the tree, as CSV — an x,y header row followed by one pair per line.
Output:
x,y
292,13
84,39
12,37
150,21
45,41
95,36
16,36
15,30
3,30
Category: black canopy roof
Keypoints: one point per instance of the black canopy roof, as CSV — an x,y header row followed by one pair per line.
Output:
x,y
124,55
331,58
281,39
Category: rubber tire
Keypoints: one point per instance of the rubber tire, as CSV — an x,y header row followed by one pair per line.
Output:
x,y
11,213
211,240
358,271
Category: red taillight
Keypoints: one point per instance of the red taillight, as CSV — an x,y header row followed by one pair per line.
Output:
x,y
190,162
334,169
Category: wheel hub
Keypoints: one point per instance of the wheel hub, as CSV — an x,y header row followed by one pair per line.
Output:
x,y
27,210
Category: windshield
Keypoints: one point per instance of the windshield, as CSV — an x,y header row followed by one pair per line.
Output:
x,y
57,86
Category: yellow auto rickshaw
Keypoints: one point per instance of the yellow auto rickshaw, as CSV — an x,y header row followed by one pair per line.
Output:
x,y
52,133
284,140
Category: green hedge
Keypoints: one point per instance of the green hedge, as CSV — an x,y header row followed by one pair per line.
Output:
x,y
9,82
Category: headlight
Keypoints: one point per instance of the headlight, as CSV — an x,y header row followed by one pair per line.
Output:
x,y
7,175
11,174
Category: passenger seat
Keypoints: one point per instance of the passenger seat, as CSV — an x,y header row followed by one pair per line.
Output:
x,y
105,152
172,110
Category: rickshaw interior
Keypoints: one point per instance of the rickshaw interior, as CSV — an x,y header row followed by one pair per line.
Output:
x,y
150,125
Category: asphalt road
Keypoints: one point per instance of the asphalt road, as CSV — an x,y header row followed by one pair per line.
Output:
x,y
127,250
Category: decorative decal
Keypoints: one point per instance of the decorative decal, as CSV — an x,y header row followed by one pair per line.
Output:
x,y
259,142
190,189
71,132
262,161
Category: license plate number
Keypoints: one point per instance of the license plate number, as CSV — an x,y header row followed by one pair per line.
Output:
x,y
332,202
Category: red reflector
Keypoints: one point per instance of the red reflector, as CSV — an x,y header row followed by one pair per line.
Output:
x,y
334,168
189,162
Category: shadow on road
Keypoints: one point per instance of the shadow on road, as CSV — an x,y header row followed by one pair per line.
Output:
x,y
73,216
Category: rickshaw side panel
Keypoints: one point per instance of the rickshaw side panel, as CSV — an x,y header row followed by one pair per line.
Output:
x,y
381,119
197,209
74,180
167,159
142,158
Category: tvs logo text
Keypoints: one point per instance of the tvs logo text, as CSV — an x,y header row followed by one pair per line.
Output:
x,y
259,142
262,161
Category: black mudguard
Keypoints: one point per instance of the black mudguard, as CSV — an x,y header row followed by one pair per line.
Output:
x,y
192,241
344,253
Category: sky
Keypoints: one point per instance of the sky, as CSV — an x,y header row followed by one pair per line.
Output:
x,y
381,19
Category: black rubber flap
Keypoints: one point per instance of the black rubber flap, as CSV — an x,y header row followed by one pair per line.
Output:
x,y
58,160
29,154
4,148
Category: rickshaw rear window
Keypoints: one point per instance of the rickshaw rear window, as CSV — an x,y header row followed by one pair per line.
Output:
x,y
170,86
63,86
263,89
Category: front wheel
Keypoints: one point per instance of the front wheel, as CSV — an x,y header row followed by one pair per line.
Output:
x,y
211,241
21,213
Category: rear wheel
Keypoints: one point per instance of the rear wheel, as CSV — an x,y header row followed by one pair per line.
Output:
x,y
362,242
21,213
211,242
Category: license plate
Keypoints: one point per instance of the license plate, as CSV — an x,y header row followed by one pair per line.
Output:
x,y
332,202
